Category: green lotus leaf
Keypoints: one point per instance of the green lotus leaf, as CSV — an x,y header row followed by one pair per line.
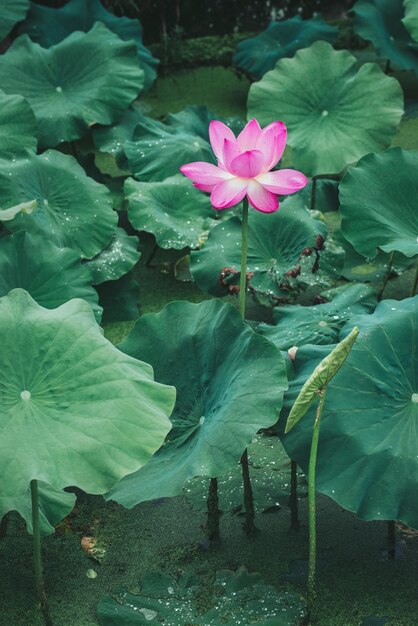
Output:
x,y
11,12
84,413
111,139
50,274
234,598
258,55
411,18
72,209
173,211
270,480
332,120
282,253
356,266
320,378
49,26
229,383
53,507
321,324
67,88
18,126
380,21
119,299
380,194
367,456
157,150
117,259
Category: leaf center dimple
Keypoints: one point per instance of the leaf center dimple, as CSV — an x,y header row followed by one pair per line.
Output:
x,y
26,395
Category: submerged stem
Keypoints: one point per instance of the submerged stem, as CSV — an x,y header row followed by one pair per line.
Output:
x,y
293,498
244,245
414,284
37,560
249,526
212,528
386,278
312,502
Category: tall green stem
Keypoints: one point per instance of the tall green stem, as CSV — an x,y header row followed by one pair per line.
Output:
x,y
37,561
212,527
250,528
312,502
313,193
244,245
293,498
414,284
386,278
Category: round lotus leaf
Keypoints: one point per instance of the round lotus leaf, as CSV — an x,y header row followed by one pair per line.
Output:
x,y
173,211
335,119
282,252
117,259
11,12
411,18
258,55
380,21
231,598
111,139
379,203
66,86
157,150
51,275
18,126
321,324
72,209
53,507
48,26
229,383
84,413
367,456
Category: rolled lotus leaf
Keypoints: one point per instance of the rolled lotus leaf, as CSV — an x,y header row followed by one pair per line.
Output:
x,y
258,55
379,203
381,22
283,250
117,259
230,598
67,88
48,26
411,18
53,507
18,126
71,209
335,119
11,12
229,382
51,275
173,211
320,379
84,413
320,324
24,207
367,457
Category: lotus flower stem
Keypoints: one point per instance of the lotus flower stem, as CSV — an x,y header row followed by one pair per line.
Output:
x,y
37,560
414,284
244,245
293,498
386,278
313,193
387,67
214,513
151,255
312,502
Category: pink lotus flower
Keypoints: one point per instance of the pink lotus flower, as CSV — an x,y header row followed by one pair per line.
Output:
x,y
244,165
